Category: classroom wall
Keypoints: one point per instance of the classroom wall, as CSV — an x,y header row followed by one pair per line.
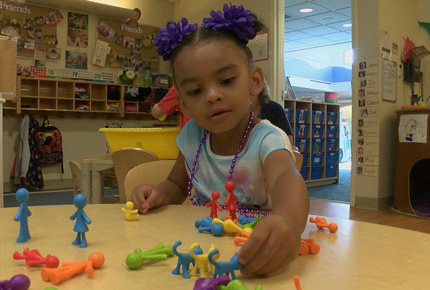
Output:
x,y
80,135
370,18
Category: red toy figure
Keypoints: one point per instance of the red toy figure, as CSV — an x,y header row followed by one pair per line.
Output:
x,y
33,258
214,205
69,269
322,223
231,199
308,246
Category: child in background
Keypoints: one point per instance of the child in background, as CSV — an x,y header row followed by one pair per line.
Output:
x,y
167,105
216,82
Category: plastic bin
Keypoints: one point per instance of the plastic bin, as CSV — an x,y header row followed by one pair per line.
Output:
x,y
331,145
301,131
305,159
316,172
303,145
302,116
331,158
331,118
317,117
316,159
330,171
332,131
317,145
304,172
289,114
317,131
161,141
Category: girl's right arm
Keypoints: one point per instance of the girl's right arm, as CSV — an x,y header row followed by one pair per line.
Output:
x,y
170,191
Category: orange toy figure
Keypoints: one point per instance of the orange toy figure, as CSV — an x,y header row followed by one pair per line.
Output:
x,y
214,205
308,246
70,269
322,223
297,282
231,199
33,257
242,239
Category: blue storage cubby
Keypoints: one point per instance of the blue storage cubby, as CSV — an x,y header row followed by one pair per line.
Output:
x,y
331,145
332,131
331,118
304,172
317,145
303,145
316,159
317,131
289,113
330,171
305,159
317,117
302,116
301,131
331,158
316,172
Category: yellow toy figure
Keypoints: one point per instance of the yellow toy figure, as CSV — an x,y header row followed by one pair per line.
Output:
x,y
201,261
130,214
228,226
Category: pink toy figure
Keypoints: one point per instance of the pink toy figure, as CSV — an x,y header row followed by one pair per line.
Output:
x,y
231,199
214,205
70,269
33,258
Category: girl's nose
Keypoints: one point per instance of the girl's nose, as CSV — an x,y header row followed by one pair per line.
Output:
x,y
213,95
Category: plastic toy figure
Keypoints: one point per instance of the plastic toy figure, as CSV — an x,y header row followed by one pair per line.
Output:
x,y
22,215
130,214
224,267
297,282
184,260
231,200
33,258
244,219
201,261
70,269
308,246
229,226
81,220
211,284
214,205
136,259
321,222
242,239
215,229
205,222
17,282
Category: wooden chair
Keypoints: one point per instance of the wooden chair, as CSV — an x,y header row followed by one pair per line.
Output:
x,y
75,169
152,173
124,160
299,158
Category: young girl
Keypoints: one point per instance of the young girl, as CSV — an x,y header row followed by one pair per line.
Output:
x,y
213,72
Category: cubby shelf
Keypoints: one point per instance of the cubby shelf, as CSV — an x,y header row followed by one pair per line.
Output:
x,y
316,134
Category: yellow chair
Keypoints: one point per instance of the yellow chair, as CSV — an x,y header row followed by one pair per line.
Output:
x,y
75,169
153,173
124,160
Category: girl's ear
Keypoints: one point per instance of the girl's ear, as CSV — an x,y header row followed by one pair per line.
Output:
x,y
257,81
181,103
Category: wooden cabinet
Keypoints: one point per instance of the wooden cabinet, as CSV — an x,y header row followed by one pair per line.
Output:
x,y
53,95
316,134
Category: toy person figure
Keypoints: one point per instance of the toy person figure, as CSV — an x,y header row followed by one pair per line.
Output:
x,y
81,220
214,205
22,215
231,199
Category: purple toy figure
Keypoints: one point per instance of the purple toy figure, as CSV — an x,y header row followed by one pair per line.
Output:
x,y
17,282
22,215
81,220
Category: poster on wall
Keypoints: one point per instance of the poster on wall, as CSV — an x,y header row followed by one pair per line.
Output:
x,y
77,29
259,46
76,60
413,128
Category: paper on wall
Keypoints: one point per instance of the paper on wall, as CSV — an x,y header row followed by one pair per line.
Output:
x,y
100,52
413,128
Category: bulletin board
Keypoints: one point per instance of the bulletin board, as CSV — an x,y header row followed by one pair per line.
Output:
x,y
34,27
130,46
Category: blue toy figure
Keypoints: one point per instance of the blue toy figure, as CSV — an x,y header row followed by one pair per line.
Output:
x,y
184,260
224,267
22,214
81,220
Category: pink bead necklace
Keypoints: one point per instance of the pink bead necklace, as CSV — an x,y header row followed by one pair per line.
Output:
x,y
241,208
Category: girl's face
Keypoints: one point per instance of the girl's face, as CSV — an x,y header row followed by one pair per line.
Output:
x,y
215,84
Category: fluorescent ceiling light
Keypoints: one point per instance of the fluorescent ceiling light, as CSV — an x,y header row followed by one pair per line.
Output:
x,y
306,10
347,25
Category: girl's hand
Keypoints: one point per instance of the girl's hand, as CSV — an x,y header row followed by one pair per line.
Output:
x,y
146,197
273,244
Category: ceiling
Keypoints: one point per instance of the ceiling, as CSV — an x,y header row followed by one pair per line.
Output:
x,y
321,27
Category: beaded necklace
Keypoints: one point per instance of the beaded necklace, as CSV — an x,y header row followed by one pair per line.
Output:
x,y
241,208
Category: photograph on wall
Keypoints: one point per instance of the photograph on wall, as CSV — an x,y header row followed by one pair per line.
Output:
x,y
39,58
77,29
76,60
107,32
53,53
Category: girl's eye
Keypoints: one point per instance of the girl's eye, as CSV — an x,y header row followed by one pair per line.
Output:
x,y
194,92
227,81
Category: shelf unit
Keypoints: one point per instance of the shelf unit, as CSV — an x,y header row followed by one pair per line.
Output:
x,y
54,95
316,134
